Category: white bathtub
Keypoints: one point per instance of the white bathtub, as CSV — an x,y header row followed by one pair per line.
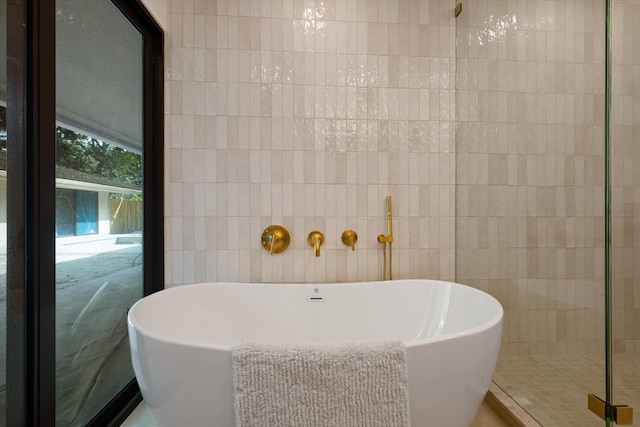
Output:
x,y
181,341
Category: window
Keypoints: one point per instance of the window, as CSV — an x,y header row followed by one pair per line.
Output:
x,y
66,346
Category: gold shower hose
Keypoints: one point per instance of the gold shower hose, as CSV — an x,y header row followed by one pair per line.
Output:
x,y
387,239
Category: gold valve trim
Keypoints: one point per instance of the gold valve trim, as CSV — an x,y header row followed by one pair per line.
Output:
x,y
620,414
275,239
349,238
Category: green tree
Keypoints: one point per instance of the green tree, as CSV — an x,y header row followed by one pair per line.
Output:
x,y
86,154
83,153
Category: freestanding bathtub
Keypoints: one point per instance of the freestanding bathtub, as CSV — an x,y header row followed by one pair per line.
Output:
x,y
181,341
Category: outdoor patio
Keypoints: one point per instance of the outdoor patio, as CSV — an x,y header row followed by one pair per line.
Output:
x,y
97,279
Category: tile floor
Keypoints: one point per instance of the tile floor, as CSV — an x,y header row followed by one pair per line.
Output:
x,y
553,389
486,417
140,417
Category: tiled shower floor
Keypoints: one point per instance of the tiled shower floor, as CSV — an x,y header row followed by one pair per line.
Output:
x,y
553,389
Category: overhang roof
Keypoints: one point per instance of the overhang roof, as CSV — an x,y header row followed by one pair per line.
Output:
x,y
69,178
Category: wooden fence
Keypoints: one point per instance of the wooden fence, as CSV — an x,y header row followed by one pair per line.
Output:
x,y
126,215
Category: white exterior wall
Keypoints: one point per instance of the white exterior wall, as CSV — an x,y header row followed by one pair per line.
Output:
x,y
104,214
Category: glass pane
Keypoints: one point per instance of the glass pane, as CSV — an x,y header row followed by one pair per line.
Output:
x,y
98,203
3,258
529,196
625,204
3,210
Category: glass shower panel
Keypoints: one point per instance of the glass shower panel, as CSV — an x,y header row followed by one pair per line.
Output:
x,y
529,193
625,203
99,202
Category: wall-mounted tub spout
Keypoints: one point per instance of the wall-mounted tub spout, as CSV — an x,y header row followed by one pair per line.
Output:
x,y
315,239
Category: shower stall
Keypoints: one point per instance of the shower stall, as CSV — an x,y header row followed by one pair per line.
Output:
x,y
548,196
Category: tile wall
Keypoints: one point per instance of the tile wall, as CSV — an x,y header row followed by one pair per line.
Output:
x,y
530,169
626,176
308,113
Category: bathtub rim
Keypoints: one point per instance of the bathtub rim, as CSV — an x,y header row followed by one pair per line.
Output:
x,y
493,322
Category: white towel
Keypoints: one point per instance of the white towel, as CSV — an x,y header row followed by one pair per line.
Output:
x,y
307,385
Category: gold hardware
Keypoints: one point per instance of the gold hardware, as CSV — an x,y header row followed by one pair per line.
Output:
x,y
620,414
458,9
623,415
387,239
315,240
596,406
275,239
349,238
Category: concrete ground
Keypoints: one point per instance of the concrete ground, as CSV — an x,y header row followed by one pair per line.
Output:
x,y
97,281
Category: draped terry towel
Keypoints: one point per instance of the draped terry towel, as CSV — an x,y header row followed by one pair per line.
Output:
x,y
313,385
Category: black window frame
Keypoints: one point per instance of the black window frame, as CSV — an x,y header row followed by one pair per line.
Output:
x,y
31,127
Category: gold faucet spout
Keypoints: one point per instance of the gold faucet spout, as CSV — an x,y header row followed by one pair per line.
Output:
x,y
315,240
